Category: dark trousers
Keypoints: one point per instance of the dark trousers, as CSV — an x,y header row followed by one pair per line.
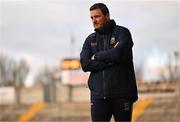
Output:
x,y
103,109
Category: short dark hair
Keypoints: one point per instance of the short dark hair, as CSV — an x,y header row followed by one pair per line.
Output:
x,y
100,6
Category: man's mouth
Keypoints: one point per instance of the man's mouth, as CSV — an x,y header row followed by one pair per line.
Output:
x,y
95,24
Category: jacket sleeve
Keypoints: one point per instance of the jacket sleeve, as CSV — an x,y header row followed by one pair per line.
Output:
x,y
118,53
87,63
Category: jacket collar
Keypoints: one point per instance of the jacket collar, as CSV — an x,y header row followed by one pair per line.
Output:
x,y
108,27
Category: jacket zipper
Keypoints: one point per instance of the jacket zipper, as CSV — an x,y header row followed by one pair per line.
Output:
x,y
104,84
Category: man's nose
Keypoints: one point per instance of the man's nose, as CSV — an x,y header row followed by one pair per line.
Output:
x,y
94,20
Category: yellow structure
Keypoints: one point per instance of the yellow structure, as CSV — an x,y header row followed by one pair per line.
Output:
x,y
31,112
140,108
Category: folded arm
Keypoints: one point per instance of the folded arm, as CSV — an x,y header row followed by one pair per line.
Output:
x,y
119,52
89,64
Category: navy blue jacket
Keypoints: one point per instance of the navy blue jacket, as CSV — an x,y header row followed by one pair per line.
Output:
x,y
112,71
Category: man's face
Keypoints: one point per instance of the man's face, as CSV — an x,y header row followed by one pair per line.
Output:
x,y
98,18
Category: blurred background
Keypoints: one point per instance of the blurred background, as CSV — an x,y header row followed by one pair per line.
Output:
x,y
40,74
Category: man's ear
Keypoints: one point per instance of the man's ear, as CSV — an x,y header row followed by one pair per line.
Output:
x,y
107,16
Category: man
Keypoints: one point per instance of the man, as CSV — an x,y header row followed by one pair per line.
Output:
x,y
107,54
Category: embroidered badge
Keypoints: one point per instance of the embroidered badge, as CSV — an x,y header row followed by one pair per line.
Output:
x,y
113,41
126,106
